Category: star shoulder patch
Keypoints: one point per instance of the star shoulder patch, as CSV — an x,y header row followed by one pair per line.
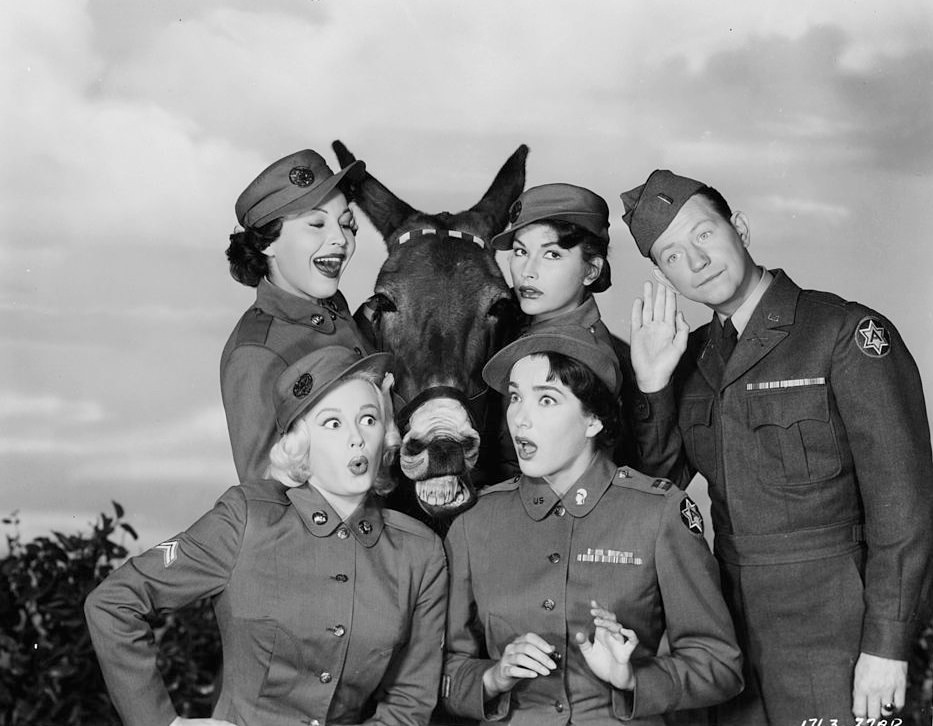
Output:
x,y
169,552
872,338
690,516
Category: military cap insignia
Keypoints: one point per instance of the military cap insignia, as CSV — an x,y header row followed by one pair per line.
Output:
x,y
169,552
303,385
301,176
317,319
515,210
690,515
872,338
664,198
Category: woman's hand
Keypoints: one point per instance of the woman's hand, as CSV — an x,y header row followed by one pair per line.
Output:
x,y
659,337
528,656
612,647
179,721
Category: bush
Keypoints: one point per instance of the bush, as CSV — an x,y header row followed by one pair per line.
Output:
x,y
48,671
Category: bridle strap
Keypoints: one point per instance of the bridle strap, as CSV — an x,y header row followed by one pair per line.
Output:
x,y
467,236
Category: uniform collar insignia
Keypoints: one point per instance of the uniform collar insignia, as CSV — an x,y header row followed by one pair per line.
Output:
x,y
366,523
540,500
282,304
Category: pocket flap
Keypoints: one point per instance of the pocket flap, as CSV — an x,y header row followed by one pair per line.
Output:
x,y
786,407
696,411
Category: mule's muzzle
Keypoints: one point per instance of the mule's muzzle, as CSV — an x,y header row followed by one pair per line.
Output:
x,y
445,496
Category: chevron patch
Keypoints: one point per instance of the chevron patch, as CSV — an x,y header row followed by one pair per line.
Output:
x,y
169,552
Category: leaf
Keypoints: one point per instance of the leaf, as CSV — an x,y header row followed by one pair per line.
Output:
x,y
118,509
128,528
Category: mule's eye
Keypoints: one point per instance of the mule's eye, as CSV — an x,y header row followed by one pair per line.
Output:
x,y
382,304
503,308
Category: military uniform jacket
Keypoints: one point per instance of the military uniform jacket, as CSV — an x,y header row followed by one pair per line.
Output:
x,y
813,437
523,560
277,331
320,619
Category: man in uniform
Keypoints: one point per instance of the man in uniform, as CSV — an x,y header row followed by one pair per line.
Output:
x,y
805,413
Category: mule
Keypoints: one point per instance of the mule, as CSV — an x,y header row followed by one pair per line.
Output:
x,y
441,305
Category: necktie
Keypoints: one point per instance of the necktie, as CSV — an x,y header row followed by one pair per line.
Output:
x,y
729,339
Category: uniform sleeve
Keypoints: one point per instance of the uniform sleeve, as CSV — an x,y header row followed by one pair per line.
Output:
x,y
659,442
464,659
193,565
879,396
411,685
247,381
704,666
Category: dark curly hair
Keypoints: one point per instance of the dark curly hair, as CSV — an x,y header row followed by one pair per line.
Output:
x,y
570,235
594,395
248,264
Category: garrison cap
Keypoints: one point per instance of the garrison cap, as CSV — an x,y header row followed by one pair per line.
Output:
x,y
565,202
293,184
304,382
651,207
574,341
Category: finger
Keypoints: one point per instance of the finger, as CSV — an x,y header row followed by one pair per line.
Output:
x,y
670,305
513,670
581,640
629,634
859,704
647,314
529,662
600,612
637,311
660,302
900,697
537,641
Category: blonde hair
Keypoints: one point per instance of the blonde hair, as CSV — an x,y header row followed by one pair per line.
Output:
x,y
289,460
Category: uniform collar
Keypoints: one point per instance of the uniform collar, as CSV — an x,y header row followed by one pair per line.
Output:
x,y
283,304
741,316
539,499
586,314
366,523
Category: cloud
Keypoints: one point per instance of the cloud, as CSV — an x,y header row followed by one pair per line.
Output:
x,y
25,407
831,213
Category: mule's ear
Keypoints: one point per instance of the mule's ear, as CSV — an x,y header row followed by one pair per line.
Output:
x,y
385,210
490,214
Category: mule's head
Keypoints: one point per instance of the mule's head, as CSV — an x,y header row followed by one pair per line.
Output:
x,y
442,307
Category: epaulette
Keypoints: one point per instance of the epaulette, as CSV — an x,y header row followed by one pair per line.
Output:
x,y
253,328
401,521
628,477
509,485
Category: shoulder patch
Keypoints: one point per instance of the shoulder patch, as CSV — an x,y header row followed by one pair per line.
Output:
x,y
690,516
872,338
628,477
509,485
253,328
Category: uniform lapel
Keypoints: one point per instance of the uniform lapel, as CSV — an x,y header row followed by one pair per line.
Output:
x,y
708,361
764,330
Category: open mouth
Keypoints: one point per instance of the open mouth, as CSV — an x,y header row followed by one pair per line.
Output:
x,y
330,265
529,293
358,465
525,448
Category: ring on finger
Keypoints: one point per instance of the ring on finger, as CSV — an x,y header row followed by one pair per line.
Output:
x,y
888,707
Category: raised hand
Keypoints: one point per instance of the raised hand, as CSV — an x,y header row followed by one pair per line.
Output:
x,y
528,656
608,656
659,337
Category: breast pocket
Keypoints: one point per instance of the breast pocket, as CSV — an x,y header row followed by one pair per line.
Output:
x,y
696,425
795,436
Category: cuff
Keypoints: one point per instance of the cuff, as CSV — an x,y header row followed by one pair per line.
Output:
x,y
654,693
466,696
892,639
659,404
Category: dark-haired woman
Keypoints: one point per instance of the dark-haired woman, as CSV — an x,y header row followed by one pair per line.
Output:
x,y
563,580
558,238
298,237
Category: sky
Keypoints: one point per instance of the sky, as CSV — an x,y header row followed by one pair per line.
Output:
x,y
129,127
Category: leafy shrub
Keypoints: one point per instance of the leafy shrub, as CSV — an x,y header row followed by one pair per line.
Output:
x,y
48,671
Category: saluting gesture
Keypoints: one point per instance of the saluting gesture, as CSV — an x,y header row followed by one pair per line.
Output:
x,y
659,337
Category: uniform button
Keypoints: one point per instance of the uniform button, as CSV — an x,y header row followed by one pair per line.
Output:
x,y
317,319
319,517
339,631
557,657
341,577
548,604
558,706
559,510
554,557
343,533
326,677
365,527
